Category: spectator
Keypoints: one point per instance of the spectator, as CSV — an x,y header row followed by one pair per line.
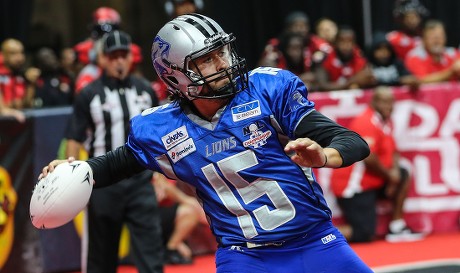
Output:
x,y
180,214
105,20
91,71
68,60
291,46
358,187
2,63
326,29
345,67
227,134
10,112
102,111
174,8
16,83
386,67
409,16
314,51
54,87
432,61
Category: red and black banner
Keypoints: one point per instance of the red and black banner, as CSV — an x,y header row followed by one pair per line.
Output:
x,y
24,149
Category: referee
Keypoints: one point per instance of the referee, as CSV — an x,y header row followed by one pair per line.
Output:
x,y
100,121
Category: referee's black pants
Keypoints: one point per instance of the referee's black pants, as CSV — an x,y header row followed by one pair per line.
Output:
x,y
131,201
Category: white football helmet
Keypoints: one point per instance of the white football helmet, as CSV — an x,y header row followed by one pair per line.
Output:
x,y
186,38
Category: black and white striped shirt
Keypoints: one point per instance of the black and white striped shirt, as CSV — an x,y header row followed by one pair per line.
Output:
x,y
102,110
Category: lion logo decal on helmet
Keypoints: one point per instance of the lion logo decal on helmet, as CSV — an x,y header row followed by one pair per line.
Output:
x,y
160,51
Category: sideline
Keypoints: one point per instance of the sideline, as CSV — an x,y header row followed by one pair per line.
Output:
x,y
434,266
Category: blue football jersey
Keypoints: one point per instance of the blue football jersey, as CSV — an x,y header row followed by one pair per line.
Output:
x,y
249,187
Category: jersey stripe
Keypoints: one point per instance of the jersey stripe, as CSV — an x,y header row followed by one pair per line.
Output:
x,y
126,114
166,167
108,125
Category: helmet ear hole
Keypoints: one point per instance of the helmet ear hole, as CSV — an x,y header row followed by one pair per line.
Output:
x,y
172,84
173,80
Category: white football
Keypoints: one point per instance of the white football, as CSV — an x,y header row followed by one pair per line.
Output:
x,y
61,195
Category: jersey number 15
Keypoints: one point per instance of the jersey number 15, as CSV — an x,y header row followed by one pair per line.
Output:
x,y
268,219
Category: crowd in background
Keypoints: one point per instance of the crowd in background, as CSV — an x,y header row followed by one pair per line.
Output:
x,y
327,57
323,54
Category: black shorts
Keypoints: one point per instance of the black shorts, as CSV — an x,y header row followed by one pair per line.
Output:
x,y
360,211
404,174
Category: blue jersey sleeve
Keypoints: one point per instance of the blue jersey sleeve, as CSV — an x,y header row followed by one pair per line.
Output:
x,y
143,131
139,154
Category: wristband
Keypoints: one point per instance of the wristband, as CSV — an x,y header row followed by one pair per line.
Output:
x,y
324,163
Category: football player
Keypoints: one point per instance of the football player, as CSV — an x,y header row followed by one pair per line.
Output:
x,y
247,142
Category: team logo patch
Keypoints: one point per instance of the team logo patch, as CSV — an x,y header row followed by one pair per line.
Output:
x,y
247,130
257,138
172,139
328,238
182,150
297,100
245,111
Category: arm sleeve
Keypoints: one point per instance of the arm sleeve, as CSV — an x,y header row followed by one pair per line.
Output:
x,y
114,166
327,133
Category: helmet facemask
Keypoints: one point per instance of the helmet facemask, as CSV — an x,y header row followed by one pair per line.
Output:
x,y
235,72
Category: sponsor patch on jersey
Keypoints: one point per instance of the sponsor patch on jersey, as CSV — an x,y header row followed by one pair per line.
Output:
x,y
182,150
257,138
296,101
175,137
328,238
245,111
